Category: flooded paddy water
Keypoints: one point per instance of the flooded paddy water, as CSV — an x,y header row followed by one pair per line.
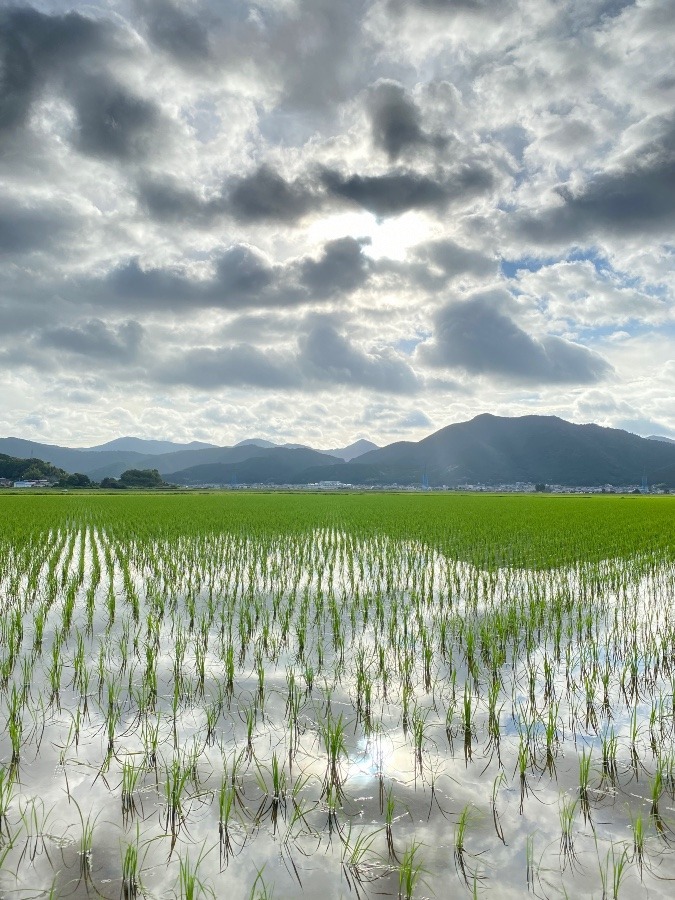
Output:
x,y
213,710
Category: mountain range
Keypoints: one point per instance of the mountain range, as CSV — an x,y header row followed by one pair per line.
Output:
x,y
488,449
109,460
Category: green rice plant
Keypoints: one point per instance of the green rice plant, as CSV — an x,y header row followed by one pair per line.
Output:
x,y
259,890
410,871
190,885
460,851
175,793
354,858
333,736
614,872
419,731
656,790
131,867
131,774
567,810
584,779
638,841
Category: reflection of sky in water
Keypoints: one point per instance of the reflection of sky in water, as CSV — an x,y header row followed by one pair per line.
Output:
x,y
428,798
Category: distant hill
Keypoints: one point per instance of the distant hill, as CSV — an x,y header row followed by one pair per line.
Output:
x,y
147,447
272,465
659,437
256,442
358,448
495,450
488,449
112,462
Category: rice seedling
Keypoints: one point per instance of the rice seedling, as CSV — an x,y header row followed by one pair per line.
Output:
x,y
411,871
332,650
567,809
191,885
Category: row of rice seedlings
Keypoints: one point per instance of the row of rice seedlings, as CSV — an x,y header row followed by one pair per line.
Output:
x,y
420,625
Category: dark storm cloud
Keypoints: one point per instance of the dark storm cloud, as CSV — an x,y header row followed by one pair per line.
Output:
x,y
175,30
112,122
97,340
475,336
35,47
638,199
238,366
341,269
328,356
395,120
24,227
398,191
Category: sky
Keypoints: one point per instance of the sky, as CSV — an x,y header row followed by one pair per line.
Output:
x,y
316,221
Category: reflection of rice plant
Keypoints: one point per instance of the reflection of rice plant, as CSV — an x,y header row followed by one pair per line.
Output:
x,y
389,811
568,808
6,796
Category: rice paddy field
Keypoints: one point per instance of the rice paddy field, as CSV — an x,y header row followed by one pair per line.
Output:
x,y
269,695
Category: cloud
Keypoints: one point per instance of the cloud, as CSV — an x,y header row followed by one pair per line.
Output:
x,y
475,336
35,47
265,195
395,120
175,30
37,225
240,277
637,198
398,191
327,355
341,269
112,122
97,340
241,365
437,262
